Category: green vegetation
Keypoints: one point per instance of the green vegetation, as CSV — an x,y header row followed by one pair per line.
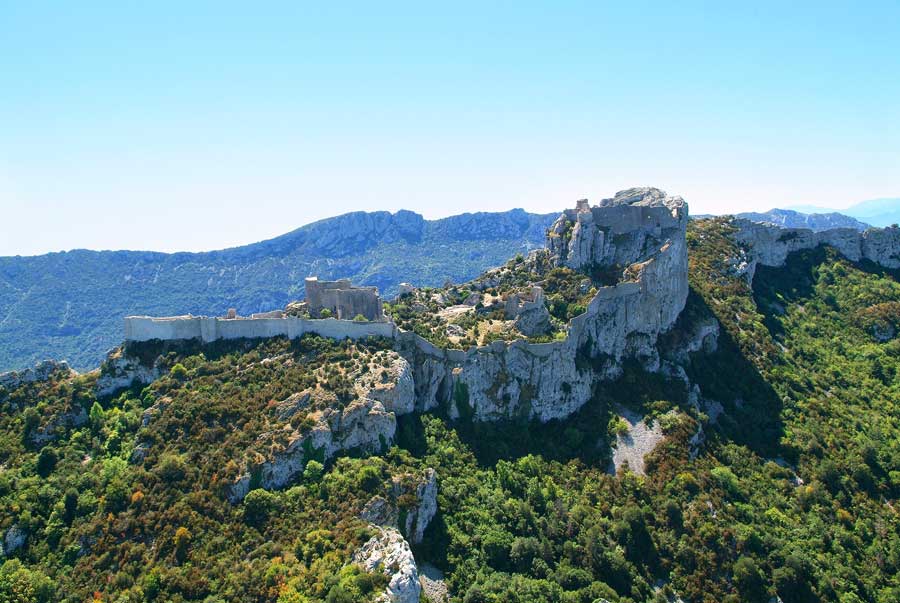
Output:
x,y
475,313
795,492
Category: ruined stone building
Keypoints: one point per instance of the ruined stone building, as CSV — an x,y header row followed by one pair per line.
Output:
x,y
343,300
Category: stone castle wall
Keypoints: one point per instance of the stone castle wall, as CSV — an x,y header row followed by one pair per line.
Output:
x,y
208,328
343,300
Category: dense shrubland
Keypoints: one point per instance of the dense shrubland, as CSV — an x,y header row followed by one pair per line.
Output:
x,y
794,493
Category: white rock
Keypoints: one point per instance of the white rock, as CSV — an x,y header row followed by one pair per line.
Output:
x,y
121,371
42,371
390,553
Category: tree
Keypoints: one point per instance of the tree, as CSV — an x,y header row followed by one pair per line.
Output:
x,y
182,541
258,504
313,471
96,415
46,461
178,371
748,579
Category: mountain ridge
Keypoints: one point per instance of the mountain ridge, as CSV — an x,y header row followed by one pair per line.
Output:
x,y
877,212
787,218
70,304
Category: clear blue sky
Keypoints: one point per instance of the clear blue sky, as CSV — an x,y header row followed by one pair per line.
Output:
x,y
189,125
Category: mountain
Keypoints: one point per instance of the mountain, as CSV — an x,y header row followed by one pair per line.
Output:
x,y
877,212
787,218
748,452
70,305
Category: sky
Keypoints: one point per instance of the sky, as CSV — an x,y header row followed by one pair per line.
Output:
x,y
192,125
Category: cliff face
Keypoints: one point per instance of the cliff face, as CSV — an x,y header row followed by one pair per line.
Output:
x,y
786,218
770,245
637,239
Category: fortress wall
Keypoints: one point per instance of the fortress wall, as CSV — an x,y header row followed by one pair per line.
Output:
x,y
340,329
250,328
145,328
628,218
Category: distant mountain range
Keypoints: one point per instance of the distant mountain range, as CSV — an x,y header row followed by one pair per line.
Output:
x,y
877,212
787,218
70,305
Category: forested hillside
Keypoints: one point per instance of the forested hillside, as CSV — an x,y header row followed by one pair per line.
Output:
x,y
790,488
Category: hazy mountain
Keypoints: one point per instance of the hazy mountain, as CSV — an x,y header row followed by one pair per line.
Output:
x,y
877,212
787,218
70,305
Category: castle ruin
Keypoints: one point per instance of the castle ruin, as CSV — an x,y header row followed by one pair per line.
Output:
x,y
342,300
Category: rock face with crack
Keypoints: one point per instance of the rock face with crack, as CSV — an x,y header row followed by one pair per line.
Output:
x,y
411,505
389,552
120,371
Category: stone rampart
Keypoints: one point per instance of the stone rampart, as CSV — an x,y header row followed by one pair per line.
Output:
x,y
207,329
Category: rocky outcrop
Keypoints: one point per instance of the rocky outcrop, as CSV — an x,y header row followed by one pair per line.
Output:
x,y
42,371
639,236
634,444
389,553
121,371
73,416
619,231
530,315
367,424
391,383
411,505
770,245
363,425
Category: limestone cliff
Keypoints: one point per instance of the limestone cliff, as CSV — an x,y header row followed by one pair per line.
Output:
x,y
42,371
411,505
770,245
637,240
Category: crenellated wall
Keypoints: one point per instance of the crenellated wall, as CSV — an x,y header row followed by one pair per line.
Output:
x,y
210,328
